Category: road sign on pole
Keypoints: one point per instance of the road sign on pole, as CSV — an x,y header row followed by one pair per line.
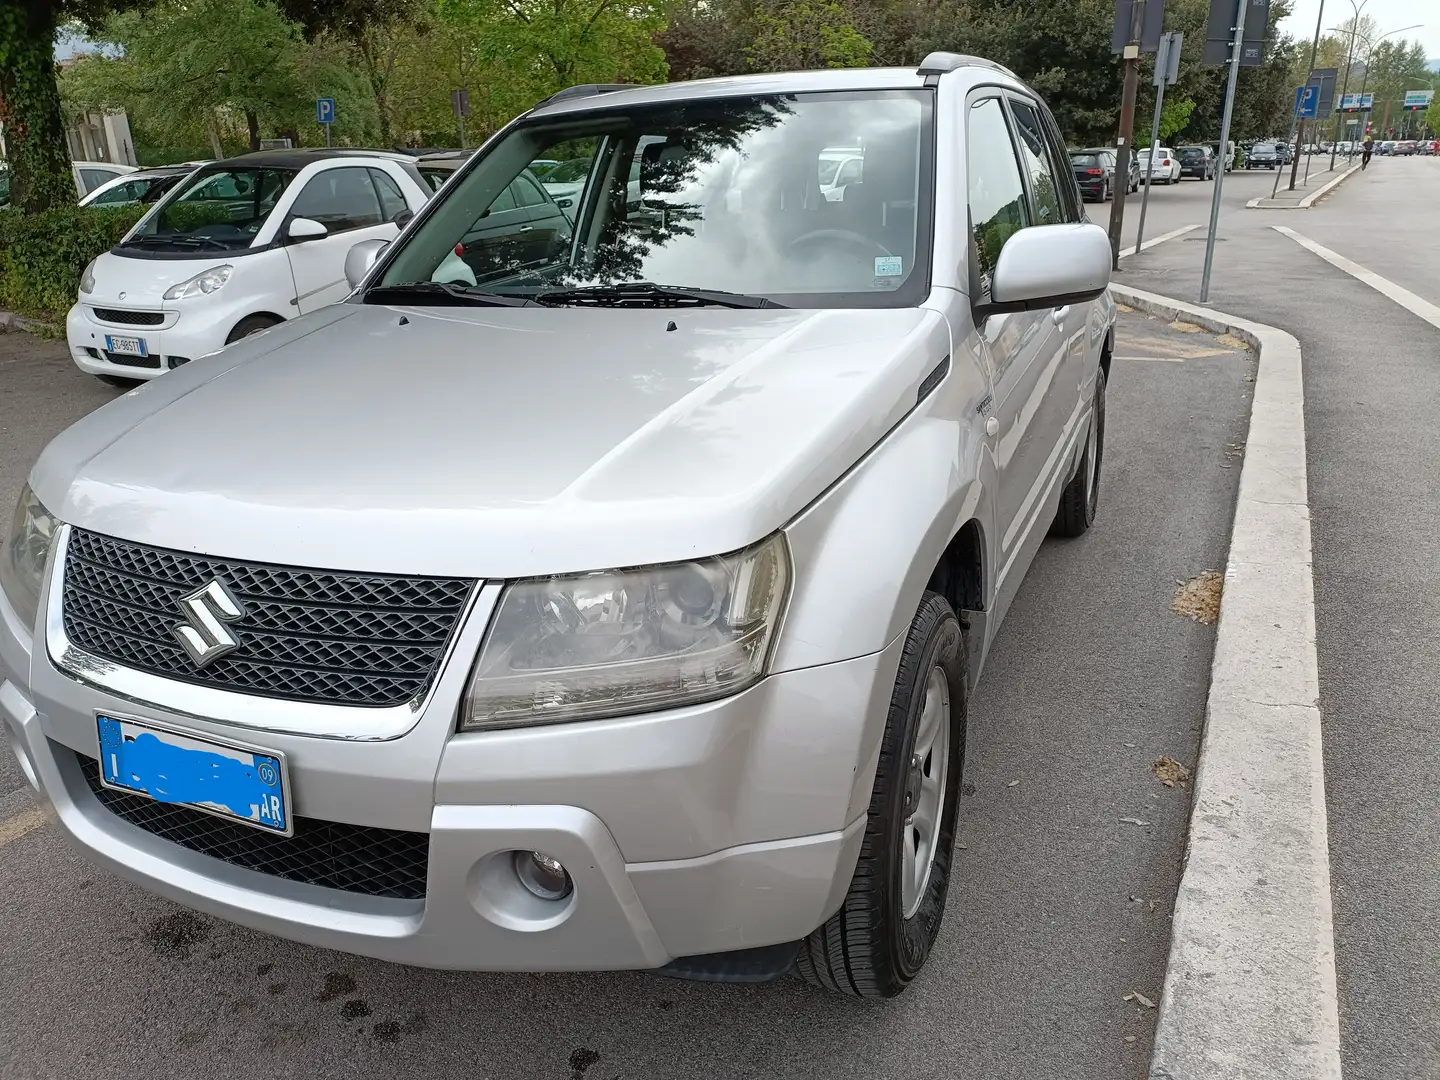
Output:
x,y
1167,73
325,115
1133,21
1307,102
1417,100
1223,18
1240,13
1152,23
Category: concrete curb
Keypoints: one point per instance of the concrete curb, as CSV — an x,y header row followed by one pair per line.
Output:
x,y
1250,983
10,321
1308,200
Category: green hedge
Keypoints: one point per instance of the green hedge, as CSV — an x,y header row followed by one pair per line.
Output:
x,y
43,255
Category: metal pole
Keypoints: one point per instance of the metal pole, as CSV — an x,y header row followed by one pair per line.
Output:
x,y
1314,50
1154,142
327,135
1289,139
1235,44
462,131
1127,127
1349,59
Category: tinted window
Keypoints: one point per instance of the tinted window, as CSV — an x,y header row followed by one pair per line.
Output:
x,y
340,199
1044,190
391,201
1084,159
93,178
527,192
436,177
997,194
128,192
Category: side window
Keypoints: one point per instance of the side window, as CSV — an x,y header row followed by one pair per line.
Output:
x,y
120,194
527,192
504,201
996,193
340,199
850,172
93,178
391,201
1049,204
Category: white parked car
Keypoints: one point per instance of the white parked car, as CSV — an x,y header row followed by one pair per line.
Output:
x,y
1160,165
239,246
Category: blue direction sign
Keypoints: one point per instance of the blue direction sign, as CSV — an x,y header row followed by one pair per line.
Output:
x,y
325,110
1307,102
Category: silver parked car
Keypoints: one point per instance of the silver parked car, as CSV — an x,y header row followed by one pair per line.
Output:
x,y
612,604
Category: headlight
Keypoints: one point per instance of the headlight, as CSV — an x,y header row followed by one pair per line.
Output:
x,y
628,641
87,279
22,559
200,284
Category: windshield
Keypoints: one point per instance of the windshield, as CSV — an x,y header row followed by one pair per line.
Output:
x,y
223,209
717,195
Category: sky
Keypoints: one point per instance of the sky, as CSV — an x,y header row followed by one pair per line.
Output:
x,y
1389,15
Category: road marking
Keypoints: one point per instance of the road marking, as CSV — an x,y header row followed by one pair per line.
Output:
x,y
1125,253
14,828
1303,204
1402,296
1250,983
1157,359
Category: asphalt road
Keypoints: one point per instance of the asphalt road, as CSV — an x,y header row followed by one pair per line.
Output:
x,y
1372,385
1059,910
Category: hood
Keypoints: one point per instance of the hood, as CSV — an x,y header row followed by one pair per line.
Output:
x,y
125,282
494,442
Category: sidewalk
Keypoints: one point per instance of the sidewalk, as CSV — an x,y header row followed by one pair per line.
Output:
x,y
1306,192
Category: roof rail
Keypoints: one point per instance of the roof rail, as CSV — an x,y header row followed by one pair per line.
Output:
x,y
941,63
585,90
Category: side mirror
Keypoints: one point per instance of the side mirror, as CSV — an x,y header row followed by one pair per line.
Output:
x,y
404,217
304,228
1050,266
360,258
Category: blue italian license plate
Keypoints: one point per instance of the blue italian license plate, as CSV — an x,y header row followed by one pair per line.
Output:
x,y
228,781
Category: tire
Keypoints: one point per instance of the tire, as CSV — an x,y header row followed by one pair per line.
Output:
x,y
1104,192
1081,497
251,324
869,948
118,382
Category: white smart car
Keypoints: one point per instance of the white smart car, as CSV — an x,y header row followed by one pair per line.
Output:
x,y
238,246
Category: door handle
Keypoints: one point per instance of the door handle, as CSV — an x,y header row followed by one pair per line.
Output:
x,y
1058,315
525,228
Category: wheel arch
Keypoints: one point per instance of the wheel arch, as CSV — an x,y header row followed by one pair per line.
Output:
x,y
275,319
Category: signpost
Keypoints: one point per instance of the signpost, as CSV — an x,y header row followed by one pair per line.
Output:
x,y
1307,106
1167,73
460,106
325,115
1325,79
1138,24
1246,19
1417,100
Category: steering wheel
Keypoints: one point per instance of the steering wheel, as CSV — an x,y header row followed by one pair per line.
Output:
x,y
844,236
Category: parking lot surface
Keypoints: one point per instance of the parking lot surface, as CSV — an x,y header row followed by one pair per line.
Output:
x,y
1059,911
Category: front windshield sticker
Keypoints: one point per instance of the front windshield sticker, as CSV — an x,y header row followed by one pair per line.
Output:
x,y
888,266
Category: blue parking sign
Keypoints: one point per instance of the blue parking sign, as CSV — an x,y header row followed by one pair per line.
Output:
x,y
1307,102
325,110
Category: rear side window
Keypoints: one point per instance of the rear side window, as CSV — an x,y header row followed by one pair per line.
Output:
x,y
996,193
340,199
391,201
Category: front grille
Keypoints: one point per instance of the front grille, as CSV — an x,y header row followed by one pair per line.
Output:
x,y
129,318
306,635
126,360
355,858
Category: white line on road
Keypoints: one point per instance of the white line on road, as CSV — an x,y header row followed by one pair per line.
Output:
x,y
1125,253
1402,296
1250,982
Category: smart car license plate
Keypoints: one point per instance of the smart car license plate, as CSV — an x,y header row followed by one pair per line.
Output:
x,y
126,346
240,783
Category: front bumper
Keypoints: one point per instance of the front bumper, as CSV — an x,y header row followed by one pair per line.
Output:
x,y
711,829
180,337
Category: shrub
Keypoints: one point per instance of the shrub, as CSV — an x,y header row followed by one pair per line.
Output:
x,y
43,255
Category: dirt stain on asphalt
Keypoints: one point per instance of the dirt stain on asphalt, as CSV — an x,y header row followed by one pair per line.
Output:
x,y
580,1060
354,1009
337,984
177,933
1199,598
390,1031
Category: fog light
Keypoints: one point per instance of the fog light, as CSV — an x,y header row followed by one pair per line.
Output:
x,y
543,875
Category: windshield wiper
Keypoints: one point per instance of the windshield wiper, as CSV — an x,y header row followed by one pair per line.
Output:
x,y
175,241
650,294
443,293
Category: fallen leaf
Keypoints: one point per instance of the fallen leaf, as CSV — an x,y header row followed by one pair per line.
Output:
x,y
1012,783
1131,1038
1135,995
1134,821
1169,771
1131,745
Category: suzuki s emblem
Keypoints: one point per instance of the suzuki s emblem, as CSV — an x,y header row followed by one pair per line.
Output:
x,y
204,633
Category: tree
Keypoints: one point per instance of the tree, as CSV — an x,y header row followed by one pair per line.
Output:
x,y
30,98
804,34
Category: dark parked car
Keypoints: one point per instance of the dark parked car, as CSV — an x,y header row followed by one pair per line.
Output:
x,y
1263,155
1104,158
1196,161
522,225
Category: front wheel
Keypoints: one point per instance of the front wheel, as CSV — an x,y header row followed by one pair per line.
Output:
x,y
118,382
251,324
1081,497
882,935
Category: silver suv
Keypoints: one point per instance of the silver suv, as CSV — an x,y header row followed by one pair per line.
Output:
x,y
596,597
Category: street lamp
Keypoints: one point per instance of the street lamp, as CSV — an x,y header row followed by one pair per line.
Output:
x,y
1370,44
